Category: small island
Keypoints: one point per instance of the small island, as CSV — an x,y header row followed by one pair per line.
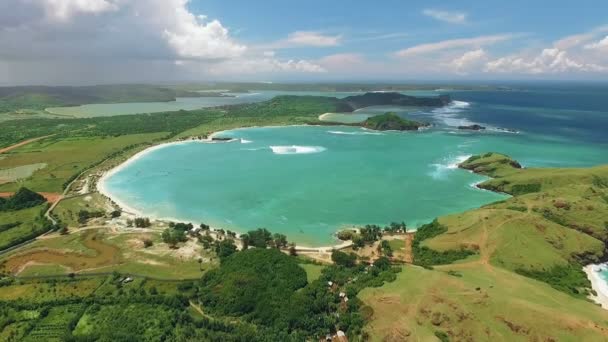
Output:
x,y
391,122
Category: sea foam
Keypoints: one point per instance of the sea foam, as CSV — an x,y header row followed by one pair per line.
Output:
x,y
295,149
441,169
354,133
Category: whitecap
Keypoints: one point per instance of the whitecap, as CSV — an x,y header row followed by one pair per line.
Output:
x,y
441,169
295,149
449,114
245,141
354,133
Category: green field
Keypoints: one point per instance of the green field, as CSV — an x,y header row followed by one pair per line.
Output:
x,y
65,157
25,223
478,304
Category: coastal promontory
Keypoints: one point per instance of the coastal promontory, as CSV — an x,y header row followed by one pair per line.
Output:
x,y
391,122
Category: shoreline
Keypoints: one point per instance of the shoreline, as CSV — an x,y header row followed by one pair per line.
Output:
x,y
598,284
100,186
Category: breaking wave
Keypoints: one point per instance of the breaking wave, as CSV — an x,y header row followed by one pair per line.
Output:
x,y
295,149
441,169
354,133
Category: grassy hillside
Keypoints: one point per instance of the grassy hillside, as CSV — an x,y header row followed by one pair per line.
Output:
x,y
522,279
469,303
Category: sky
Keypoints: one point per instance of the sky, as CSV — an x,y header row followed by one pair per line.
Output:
x,y
130,41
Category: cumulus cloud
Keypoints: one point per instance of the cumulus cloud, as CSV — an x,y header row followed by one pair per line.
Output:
x,y
452,17
63,10
470,60
312,38
192,38
264,66
103,40
474,42
550,60
599,45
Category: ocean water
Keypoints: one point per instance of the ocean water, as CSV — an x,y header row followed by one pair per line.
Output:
x,y
308,182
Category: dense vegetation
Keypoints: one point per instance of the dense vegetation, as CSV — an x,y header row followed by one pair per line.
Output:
x,y
41,97
296,109
426,256
567,278
394,99
24,198
268,288
390,122
256,284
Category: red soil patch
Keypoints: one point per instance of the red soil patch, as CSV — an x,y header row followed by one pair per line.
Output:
x,y
52,197
25,142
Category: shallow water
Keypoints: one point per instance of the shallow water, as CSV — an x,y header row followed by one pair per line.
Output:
x,y
307,182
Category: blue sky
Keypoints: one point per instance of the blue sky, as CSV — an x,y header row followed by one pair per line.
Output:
x,y
149,40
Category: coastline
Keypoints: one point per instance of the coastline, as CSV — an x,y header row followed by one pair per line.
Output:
x,y
598,284
129,210
125,208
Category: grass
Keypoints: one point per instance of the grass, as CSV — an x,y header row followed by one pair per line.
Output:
x,y
93,251
42,291
29,220
313,271
19,172
481,304
67,210
65,157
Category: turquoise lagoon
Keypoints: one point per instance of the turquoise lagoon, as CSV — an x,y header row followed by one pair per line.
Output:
x,y
308,182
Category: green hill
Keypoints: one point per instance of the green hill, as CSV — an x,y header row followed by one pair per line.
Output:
x,y
391,122
521,277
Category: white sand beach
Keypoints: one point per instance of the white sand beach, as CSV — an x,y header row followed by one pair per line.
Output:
x,y
598,284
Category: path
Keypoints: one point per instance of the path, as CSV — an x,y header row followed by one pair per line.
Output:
x,y
409,257
25,142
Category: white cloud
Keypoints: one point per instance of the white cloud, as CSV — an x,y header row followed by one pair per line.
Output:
x,y
311,38
469,60
264,66
192,38
576,40
452,17
550,60
599,45
474,42
63,10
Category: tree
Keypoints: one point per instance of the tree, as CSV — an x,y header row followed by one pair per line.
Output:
x,y
260,238
147,243
385,248
225,248
173,236
115,213
344,259
280,240
382,263
142,222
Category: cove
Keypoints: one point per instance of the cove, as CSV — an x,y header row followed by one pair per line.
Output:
x,y
305,182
